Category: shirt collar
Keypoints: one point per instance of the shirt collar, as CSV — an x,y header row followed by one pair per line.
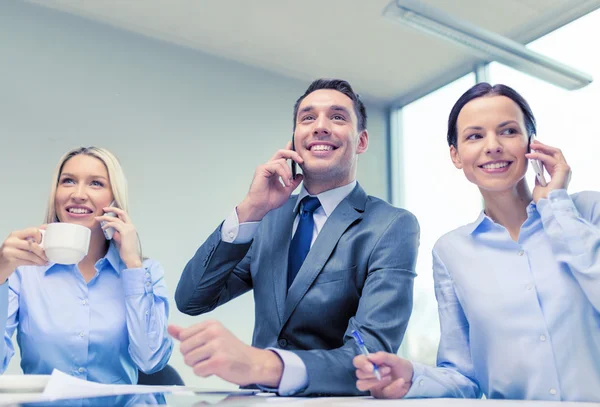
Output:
x,y
329,199
484,222
112,257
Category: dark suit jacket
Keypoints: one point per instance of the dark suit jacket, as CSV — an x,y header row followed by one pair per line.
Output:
x,y
358,275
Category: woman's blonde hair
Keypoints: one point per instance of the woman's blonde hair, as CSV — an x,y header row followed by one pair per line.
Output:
x,y
117,179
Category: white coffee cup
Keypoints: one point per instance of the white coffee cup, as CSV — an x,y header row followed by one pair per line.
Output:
x,y
65,243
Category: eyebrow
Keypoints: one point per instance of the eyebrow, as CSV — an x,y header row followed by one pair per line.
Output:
x,y
507,123
499,126
66,174
472,128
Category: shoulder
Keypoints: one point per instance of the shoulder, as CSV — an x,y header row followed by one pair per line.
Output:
x,y
385,213
26,275
451,241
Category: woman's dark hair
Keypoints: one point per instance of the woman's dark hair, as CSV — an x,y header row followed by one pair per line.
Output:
x,y
485,89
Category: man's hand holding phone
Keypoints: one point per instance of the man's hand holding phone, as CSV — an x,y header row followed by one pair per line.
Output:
x,y
272,185
553,160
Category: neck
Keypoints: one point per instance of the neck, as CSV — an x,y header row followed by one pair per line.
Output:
x,y
315,185
98,249
508,208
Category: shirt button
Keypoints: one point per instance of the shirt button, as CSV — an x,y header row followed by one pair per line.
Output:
x,y
543,338
230,234
529,286
81,334
81,370
148,275
147,283
421,383
553,391
282,342
147,313
83,302
521,252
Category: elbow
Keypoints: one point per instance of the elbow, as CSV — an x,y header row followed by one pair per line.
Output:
x,y
158,359
186,307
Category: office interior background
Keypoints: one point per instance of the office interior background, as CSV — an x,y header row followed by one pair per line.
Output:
x,y
193,95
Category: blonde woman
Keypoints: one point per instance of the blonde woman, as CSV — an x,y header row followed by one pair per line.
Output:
x,y
101,319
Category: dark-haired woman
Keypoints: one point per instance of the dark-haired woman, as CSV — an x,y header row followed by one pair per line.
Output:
x,y
518,289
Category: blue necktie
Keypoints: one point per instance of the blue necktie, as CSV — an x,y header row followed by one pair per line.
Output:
x,y
300,244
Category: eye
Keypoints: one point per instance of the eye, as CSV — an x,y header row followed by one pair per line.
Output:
x,y
67,180
96,183
509,131
308,117
338,117
474,136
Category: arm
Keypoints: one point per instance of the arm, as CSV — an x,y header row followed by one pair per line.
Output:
x,y
9,317
218,272
147,310
575,237
455,374
6,343
382,314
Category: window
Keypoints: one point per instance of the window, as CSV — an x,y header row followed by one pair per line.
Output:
x,y
437,194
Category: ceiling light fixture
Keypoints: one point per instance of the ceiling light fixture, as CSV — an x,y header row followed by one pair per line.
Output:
x,y
485,44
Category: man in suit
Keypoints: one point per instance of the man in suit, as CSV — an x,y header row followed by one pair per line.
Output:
x,y
322,263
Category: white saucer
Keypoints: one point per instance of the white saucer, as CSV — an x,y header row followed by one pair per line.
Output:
x,y
31,383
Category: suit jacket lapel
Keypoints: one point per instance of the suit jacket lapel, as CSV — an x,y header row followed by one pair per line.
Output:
x,y
277,262
346,213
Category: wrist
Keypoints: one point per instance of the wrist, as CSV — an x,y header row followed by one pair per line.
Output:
x,y
133,263
248,212
269,368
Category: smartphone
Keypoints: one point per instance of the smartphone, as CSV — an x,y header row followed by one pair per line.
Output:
x,y
538,166
109,232
293,164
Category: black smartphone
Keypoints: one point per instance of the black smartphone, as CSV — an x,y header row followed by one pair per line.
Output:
x,y
293,164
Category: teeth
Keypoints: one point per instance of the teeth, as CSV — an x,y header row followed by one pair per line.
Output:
x,y
321,147
79,210
495,165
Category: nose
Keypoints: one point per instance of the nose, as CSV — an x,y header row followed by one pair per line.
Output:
x,y
322,126
493,145
79,193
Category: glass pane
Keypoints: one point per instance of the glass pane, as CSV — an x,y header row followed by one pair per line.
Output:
x,y
440,197
566,119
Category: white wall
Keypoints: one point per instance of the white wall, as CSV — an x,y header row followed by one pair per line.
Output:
x,y
189,129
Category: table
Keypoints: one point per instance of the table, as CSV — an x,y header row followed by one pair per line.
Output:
x,y
261,400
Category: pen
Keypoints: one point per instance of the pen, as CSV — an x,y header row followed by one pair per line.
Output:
x,y
365,351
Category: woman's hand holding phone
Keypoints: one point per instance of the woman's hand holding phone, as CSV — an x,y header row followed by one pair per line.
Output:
x,y
272,185
553,160
125,235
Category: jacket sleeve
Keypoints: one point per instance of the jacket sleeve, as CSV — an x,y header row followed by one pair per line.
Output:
x,y
217,273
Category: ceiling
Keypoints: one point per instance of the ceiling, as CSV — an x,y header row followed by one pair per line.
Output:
x,y
349,39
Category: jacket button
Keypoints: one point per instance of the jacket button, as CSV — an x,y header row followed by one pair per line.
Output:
x,y
282,342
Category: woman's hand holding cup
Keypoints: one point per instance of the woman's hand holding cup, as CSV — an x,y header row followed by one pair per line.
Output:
x,y
21,248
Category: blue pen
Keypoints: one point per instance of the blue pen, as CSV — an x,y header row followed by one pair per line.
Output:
x,y
365,351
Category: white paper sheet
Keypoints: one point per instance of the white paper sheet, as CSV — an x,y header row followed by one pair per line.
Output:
x,y
63,386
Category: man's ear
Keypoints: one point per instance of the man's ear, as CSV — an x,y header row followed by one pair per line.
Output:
x,y
363,142
455,158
